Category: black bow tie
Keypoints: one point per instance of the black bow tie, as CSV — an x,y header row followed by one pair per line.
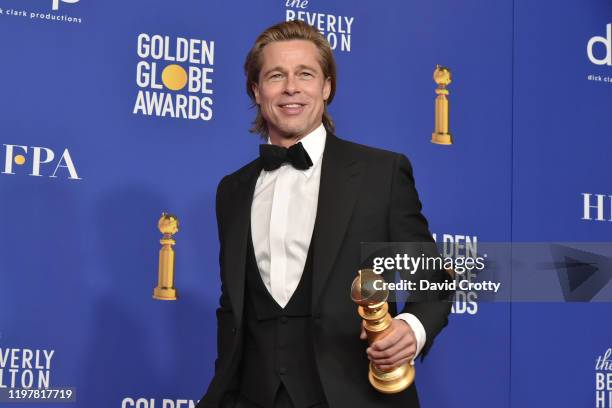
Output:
x,y
273,156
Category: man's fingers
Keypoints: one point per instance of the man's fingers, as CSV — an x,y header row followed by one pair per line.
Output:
x,y
385,367
376,351
401,354
400,330
398,349
388,341
395,348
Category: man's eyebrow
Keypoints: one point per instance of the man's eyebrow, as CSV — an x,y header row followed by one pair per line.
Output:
x,y
302,66
281,69
277,68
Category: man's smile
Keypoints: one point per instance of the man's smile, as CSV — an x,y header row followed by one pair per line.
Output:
x,y
292,108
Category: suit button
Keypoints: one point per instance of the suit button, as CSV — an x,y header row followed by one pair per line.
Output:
x,y
282,371
233,330
284,320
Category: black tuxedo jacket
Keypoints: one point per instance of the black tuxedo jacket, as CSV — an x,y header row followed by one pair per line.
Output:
x,y
365,195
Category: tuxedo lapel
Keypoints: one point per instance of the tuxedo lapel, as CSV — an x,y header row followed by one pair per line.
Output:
x,y
340,180
238,219
338,191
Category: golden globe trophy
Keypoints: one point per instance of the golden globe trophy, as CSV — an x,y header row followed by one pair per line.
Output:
x,y
168,225
441,135
373,309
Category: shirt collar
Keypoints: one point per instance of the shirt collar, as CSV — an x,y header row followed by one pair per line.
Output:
x,y
314,144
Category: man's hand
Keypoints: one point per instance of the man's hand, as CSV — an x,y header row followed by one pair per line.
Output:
x,y
396,348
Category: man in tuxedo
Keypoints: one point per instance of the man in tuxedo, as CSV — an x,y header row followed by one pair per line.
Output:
x,y
290,227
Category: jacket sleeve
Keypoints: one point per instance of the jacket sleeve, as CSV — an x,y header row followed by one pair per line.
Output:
x,y
407,224
225,314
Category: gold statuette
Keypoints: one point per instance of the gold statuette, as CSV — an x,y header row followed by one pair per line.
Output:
x,y
441,135
168,225
373,309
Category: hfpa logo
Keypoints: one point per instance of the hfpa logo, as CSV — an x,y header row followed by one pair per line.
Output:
x,y
607,42
57,2
599,205
39,157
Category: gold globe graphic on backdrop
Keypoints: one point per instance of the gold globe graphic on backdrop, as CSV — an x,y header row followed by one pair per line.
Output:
x,y
174,77
168,224
19,159
442,75
441,134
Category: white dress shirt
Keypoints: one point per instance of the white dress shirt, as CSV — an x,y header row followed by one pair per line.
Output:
x,y
288,197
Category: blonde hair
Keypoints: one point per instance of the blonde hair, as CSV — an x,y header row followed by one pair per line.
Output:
x,y
289,30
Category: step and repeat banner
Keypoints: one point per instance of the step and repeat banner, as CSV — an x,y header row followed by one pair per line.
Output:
x,y
114,112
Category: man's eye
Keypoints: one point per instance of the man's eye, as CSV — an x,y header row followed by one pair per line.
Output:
x,y
275,76
306,74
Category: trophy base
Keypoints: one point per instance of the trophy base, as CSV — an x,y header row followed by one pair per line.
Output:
x,y
442,138
391,382
164,293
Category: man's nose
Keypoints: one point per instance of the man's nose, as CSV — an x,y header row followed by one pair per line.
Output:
x,y
291,85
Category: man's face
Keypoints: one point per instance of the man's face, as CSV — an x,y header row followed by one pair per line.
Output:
x,y
291,90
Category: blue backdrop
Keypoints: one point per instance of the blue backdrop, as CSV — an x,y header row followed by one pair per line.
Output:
x,y
89,163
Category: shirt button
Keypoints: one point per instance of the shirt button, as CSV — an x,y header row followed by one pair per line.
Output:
x,y
284,320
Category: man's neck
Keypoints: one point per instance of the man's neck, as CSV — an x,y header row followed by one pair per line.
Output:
x,y
284,141
288,141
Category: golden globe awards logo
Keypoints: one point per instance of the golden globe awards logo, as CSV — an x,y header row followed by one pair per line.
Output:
x,y
336,28
129,402
25,368
454,246
38,161
175,77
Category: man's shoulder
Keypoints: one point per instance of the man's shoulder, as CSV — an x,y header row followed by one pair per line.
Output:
x,y
244,170
366,152
241,174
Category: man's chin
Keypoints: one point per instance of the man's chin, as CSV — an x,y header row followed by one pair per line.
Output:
x,y
290,133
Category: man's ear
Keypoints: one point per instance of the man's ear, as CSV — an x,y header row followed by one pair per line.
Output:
x,y
326,88
255,90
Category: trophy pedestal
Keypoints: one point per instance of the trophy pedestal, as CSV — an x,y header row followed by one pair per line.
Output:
x,y
442,138
164,293
391,382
